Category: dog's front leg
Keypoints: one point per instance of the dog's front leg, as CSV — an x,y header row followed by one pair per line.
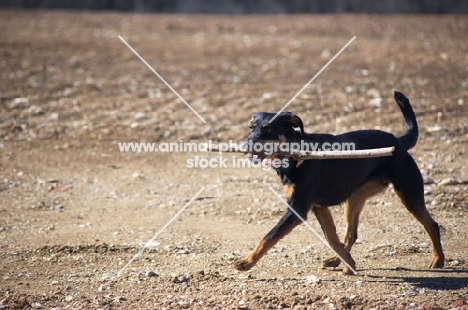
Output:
x,y
284,226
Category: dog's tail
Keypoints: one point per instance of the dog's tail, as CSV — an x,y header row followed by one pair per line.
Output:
x,y
410,138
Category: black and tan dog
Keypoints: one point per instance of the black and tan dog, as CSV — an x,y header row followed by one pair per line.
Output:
x,y
317,184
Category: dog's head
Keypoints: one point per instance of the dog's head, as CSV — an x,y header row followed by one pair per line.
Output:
x,y
266,128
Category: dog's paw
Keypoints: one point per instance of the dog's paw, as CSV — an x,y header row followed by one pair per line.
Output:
x,y
347,271
331,262
244,264
436,262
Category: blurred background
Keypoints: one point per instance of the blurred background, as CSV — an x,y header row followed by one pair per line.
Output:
x,y
252,7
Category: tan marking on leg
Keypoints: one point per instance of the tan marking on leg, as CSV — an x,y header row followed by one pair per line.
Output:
x,y
425,218
261,249
325,219
288,190
352,211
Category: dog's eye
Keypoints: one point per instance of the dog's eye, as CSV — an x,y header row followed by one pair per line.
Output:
x,y
266,129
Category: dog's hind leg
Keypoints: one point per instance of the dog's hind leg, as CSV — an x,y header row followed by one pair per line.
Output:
x,y
352,211
409,188
325,219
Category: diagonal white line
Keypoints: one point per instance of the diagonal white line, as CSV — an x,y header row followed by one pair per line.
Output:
x,y
313,230
161,78
311,80
160,231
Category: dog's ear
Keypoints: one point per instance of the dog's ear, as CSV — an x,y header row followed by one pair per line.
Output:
x,y
292,120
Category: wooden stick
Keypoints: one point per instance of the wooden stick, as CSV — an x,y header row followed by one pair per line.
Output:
x,y
304,155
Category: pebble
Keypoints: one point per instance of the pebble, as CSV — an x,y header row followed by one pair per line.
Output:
x,y
68,298
427,192
435,128
109,275
36,305
207,131
140,116
59,208
242,305
326,53
428,180
434,202
376,102
353,297
68,288
20,103
137,175
447,181
54,283
151,273
313,279
184,304
413,304
180,279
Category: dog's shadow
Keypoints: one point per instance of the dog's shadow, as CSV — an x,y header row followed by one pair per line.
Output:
x,y
436,279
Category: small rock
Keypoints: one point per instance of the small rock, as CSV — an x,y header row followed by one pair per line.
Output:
x,y
54,116
59,208
267,95
373,93
326,53
207,131
454,263
326,300
427,191
101,288
151,273
153,244
36,305
376,102
180,279
20,103
435,128
109,275
184,304
413,304
447,181
119,298
140,116
134,125
313,279
68,288
68,298
431,307
242,305
54,282
137,175
434,202
459,303
353,297
428,180
424,245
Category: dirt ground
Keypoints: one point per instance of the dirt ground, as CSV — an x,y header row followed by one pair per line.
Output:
x,y
75,210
